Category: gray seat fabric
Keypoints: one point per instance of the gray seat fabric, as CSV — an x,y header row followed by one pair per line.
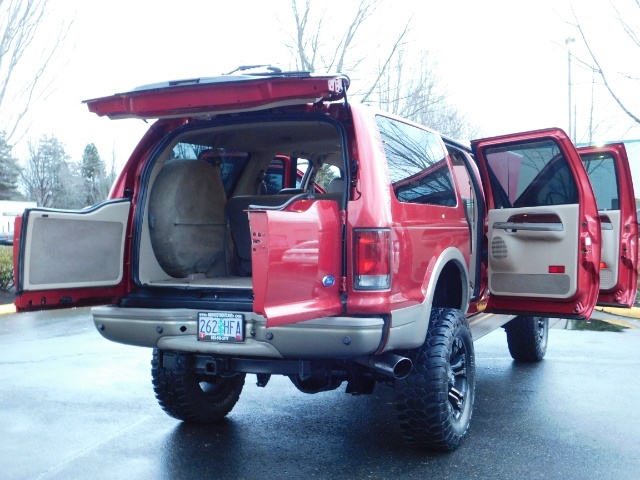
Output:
x,y
336,186
187,219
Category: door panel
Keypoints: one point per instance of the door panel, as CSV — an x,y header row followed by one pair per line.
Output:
x,y
296,260
70,257
520,238
543,226
610,224
610,176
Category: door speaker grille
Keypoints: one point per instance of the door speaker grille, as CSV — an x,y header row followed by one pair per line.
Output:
x,y
498,248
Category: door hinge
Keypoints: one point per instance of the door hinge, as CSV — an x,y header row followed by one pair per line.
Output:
x,y
343,284
343,217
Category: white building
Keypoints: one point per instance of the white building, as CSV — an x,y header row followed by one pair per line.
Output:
x,y
9,210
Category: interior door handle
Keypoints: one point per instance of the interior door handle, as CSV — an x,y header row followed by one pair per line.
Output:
x,y
533,227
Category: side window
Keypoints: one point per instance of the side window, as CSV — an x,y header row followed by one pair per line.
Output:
x,y
274,176
602,174
325,174
417,164
530,174
463,183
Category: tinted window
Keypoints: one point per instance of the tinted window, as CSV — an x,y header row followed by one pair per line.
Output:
x,y
602,175
274,176
530,174
417,164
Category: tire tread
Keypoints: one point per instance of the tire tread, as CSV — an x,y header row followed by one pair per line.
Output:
x,y
421,399
180,395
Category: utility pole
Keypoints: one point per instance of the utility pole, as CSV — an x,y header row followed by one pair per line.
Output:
x,y
568,41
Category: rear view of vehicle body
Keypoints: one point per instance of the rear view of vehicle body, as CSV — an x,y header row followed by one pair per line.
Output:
x,y
264,225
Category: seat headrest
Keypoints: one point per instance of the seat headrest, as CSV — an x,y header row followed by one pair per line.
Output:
x,y
211,156
336,186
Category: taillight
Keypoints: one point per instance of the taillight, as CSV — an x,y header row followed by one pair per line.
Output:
x,y
372,259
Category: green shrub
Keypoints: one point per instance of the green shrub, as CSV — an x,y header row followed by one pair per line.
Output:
x,y
6,267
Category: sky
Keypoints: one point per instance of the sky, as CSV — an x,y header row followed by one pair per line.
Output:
x,y
504,64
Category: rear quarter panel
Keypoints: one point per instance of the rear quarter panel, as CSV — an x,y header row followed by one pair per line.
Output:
x,y
420,233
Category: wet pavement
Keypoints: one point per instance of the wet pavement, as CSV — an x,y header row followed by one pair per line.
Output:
x,y
73,405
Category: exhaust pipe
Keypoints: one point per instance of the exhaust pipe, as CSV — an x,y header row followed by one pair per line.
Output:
x,y
387,364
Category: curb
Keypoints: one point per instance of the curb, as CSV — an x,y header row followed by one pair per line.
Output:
x,y
633,312
8,308
622,323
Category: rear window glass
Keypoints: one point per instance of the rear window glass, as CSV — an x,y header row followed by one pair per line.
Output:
x,y
417,164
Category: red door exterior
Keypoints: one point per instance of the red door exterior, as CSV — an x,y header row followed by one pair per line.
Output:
x,y
296,261
608,169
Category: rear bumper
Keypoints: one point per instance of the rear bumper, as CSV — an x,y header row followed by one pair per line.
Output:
x,y
175,329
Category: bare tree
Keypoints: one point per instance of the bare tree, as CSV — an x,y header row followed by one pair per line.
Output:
x,y
411,88
111,176
395,79
315,48
633,36
20,24
49,178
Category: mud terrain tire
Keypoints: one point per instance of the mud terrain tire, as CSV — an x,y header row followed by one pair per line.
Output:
x,y
527,338
435,401
191,397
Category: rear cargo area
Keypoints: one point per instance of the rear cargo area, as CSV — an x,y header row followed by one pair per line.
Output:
x,y
193,231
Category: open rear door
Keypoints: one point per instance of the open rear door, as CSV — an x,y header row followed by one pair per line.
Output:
x,y
543,226
297,261
610,175
71,258
223,94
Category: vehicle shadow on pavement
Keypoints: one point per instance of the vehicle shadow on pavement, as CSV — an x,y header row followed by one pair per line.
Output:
x,y
327,435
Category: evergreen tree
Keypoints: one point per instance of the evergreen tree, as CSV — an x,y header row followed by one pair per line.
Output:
x,y
9,171
93,171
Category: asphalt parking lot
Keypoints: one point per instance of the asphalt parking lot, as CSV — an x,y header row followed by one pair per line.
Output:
x,y
74,405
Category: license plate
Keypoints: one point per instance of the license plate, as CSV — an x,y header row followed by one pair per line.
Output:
x,y
220,327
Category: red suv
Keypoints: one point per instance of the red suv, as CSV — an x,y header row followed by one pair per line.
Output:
x,y
265,225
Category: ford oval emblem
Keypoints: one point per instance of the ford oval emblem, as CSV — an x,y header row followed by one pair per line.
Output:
x,y
329,281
